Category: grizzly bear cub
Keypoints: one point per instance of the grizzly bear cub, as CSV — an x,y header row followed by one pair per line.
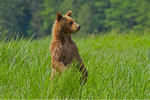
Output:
x,y
63,49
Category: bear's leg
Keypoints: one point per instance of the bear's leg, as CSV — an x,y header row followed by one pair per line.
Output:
x,y
53,73
59,67
84,72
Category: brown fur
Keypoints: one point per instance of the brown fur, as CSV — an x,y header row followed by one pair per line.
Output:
x,y
63,49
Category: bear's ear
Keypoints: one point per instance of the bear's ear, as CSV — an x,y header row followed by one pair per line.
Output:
x,y
69,13
58,16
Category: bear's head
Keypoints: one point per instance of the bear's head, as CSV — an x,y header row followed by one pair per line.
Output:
x,y
66,23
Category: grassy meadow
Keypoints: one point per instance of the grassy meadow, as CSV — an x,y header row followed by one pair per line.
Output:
x,y
118,66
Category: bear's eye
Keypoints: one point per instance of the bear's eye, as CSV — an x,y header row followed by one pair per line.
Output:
x,y
71,23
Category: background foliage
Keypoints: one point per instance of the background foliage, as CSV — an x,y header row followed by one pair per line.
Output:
x,y
36,17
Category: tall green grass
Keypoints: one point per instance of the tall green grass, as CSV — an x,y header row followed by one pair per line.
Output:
x,y
118,66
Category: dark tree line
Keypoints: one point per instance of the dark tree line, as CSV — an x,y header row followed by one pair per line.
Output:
x,y
36,17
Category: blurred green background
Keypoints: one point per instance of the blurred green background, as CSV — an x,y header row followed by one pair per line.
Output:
x,y
35,17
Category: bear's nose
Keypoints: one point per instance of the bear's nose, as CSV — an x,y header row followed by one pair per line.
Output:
x,y
79,26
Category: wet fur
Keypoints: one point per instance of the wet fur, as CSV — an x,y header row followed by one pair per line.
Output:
x,y
63,49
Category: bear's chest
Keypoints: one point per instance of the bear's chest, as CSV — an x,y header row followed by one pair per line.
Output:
x,y
69,51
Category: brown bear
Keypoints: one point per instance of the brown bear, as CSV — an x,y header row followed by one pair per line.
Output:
x,y
63,49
